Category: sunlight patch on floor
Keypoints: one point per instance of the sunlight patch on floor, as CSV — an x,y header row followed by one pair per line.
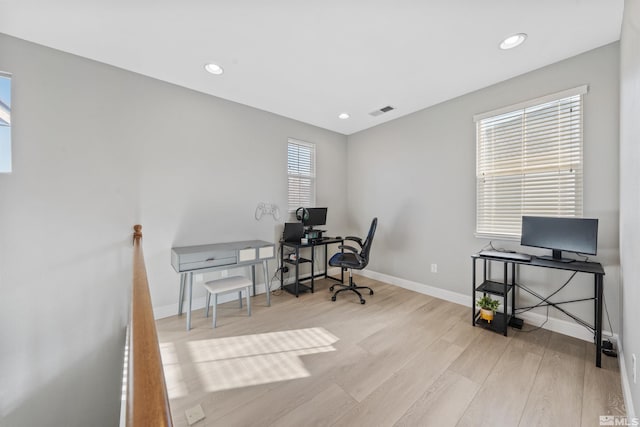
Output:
x,y
173,377
241,361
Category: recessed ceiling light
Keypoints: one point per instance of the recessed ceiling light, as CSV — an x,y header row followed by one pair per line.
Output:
x,y
344,116
214,68
513,41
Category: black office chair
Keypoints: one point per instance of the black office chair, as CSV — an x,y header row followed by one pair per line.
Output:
x,y
354,260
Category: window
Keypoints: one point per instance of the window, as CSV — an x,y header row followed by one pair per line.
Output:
x,y
5,122
529,162
301,170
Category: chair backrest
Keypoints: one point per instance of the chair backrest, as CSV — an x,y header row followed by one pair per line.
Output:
x,y
366,246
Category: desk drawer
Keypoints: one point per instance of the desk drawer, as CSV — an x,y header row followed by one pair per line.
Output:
x,y
248,254
210,262
266,252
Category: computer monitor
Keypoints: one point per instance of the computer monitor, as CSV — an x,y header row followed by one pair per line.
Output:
x,y
579,235
317,216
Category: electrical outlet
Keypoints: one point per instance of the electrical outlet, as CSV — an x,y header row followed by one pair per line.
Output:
x,y
635,371
434,268
223,274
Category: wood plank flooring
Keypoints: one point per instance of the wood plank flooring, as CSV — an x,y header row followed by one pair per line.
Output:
x,y
402,359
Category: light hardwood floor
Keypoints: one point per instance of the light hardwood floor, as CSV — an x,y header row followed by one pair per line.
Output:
x,y
402,359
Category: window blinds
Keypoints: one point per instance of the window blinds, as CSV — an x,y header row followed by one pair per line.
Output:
x,y
301,170
529,162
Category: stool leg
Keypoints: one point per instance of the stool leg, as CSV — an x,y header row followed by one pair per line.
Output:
x,y
248,301
240,298
215,309
207,302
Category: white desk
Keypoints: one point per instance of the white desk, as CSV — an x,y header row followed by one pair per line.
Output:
x,y
187,260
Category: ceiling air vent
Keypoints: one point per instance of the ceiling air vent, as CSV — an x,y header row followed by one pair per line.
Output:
x,y
381,111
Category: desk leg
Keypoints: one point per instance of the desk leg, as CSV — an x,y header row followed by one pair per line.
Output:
x,y
183,279
297,270
342,269
281,266
267,282
189,298
313,262
473,292
253,278
505,296
598,313
513,290
326,262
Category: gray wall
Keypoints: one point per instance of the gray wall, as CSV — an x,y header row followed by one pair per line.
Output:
x,y
206,164
65,216
417,174
95,150
629,188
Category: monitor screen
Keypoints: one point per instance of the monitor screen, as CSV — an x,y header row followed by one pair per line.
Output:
x,y
317,216
579,235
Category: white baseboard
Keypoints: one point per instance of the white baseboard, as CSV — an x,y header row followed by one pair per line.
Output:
x,y
419,287
624,381
561,326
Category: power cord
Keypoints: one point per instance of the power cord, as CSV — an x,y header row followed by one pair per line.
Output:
x,y
493,248
277,291
546,299
280,270
607,345
537,327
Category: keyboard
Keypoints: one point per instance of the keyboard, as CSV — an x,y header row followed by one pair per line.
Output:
x,y
515,256
321,239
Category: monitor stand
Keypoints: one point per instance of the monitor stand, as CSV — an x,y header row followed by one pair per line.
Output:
x,y
557,257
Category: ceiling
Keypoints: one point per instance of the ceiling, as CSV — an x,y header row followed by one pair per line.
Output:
x,y
312,60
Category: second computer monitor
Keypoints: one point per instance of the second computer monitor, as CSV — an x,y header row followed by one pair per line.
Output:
x,y
317,216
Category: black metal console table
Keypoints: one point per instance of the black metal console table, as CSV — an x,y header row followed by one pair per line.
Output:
x,y
298,287
503,288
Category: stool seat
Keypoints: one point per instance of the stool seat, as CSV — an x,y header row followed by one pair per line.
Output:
x,y
225,285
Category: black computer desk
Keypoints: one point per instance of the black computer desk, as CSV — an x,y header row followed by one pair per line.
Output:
x,y
297,287
594,268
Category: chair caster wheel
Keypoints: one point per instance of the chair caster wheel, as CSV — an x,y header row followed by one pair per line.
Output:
x,y
333,298
362,301
370,292
331,289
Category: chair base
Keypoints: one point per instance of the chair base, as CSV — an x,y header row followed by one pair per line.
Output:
x,y
353,287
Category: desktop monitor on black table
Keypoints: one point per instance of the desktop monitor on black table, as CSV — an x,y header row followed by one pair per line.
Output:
x,y
317,216
578,235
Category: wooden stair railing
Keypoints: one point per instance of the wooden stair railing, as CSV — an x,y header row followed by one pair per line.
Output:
x,y
147,398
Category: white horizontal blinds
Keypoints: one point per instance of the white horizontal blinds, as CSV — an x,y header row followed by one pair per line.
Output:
x,y
301,170
529,162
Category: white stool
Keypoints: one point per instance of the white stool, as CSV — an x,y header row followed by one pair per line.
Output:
x,y
225,285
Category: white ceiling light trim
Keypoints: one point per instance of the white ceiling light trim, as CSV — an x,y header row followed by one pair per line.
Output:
x,y
213,68
343,116
512,41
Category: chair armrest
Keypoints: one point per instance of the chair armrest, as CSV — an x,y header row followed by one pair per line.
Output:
x,y
349,248
355,239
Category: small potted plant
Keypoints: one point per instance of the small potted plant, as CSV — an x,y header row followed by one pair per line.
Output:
x,y
488,307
